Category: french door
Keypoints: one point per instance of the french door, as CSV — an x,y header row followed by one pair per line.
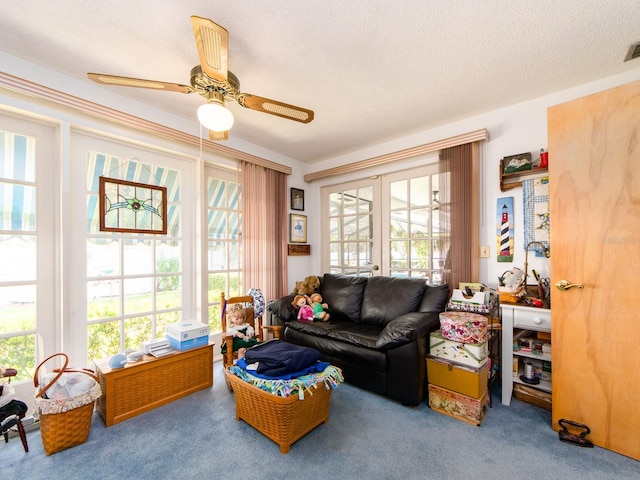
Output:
x,y
388,225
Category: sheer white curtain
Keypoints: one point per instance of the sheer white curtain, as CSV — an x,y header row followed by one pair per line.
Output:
x,y
264,230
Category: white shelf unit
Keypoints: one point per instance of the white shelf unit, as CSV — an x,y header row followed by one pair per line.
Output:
x,y
516,318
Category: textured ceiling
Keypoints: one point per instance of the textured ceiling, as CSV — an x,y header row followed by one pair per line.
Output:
x,y
371,70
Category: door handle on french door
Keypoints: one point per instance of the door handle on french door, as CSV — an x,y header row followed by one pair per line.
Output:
x,y
564,285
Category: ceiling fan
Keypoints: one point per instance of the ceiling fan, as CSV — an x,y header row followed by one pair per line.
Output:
x,y
215,82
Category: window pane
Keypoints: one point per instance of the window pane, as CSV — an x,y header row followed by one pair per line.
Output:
x,y
20,353
17,157
399,224
103,299
419,223
167,257
137,330
365,230
137,257
103,340
334,229
216,193
398,192
18,304
17,258
335,204
349,198
137,295
398,254
17,207
217,285
168,292
103,257
419,188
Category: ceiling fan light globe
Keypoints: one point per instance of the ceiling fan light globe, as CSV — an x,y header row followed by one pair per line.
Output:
x,y
215,116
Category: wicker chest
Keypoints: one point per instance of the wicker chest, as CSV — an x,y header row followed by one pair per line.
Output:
x,y
151,382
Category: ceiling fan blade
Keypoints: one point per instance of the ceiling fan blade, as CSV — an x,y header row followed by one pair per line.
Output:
x,y
284,110
215,136
139,83
212,41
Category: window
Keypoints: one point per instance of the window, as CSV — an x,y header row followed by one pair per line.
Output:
x,y
134,283
133,280
224,239
26,243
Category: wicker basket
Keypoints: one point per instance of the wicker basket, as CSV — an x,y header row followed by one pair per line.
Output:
x,y
69,425
512,297
532,395
283,420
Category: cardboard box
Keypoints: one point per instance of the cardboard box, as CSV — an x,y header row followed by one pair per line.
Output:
x,y
188,344
457,378
456,405
472,354
187,330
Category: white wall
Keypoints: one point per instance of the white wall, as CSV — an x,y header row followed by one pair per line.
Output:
x,y
515,129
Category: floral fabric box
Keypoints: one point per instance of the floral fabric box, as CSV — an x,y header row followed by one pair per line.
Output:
x,y
472,354
464,327
456,405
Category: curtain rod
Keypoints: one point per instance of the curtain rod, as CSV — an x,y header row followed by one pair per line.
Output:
x,y
470,137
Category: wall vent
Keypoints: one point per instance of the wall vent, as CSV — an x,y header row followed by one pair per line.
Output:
x,y
634,52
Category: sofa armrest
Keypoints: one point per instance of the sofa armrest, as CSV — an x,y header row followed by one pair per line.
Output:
x,y
407,328
283,309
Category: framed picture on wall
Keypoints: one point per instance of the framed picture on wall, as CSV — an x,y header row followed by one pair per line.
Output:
x,y
297,228
297,199
132,207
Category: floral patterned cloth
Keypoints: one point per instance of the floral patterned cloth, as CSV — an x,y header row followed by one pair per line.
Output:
x,y
50,406
330,377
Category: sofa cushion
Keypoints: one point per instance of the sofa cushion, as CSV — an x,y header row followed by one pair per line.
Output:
x,y
319,329
407,328
343,293
434,299
386,298
357,334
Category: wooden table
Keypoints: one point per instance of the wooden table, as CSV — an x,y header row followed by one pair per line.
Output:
x,y
151,382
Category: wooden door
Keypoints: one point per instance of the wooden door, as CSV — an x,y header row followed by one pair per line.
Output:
x,y
594,169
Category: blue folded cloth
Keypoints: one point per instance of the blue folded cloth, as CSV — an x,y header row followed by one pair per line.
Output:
x,y
277,358
315,368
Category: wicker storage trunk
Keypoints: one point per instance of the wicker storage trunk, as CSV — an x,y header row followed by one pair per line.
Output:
x,y
283,420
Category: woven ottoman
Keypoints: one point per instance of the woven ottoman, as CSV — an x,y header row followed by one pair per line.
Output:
x,y
282,419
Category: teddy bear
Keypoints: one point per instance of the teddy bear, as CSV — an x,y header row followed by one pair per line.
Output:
x,y
305,311
318,306
307,286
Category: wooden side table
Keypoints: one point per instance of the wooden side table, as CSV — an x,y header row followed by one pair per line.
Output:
x,y
151,382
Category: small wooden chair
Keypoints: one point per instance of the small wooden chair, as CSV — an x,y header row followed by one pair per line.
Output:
x,y
256,322
10,419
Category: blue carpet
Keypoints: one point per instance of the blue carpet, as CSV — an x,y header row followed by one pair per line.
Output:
x,y
368,436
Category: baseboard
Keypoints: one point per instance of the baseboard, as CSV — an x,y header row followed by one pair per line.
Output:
x,y
29,423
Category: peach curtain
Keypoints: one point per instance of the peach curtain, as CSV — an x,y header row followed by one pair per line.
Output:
x,y
264,230
459,220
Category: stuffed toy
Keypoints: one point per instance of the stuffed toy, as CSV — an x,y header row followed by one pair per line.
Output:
x,y
307,286
305,312
319,308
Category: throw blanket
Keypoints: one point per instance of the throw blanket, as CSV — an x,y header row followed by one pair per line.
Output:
x,y
276,358
330,376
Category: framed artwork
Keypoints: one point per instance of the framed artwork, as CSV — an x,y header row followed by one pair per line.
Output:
x,y
132,207
297,228
517,163
297,250
297,199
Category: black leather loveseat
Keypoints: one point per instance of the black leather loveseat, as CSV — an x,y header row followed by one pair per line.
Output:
x,y
378,331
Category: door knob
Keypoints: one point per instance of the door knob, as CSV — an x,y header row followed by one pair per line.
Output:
x,y
564,285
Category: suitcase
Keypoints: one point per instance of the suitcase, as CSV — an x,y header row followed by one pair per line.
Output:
x,y
456,405
468,381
